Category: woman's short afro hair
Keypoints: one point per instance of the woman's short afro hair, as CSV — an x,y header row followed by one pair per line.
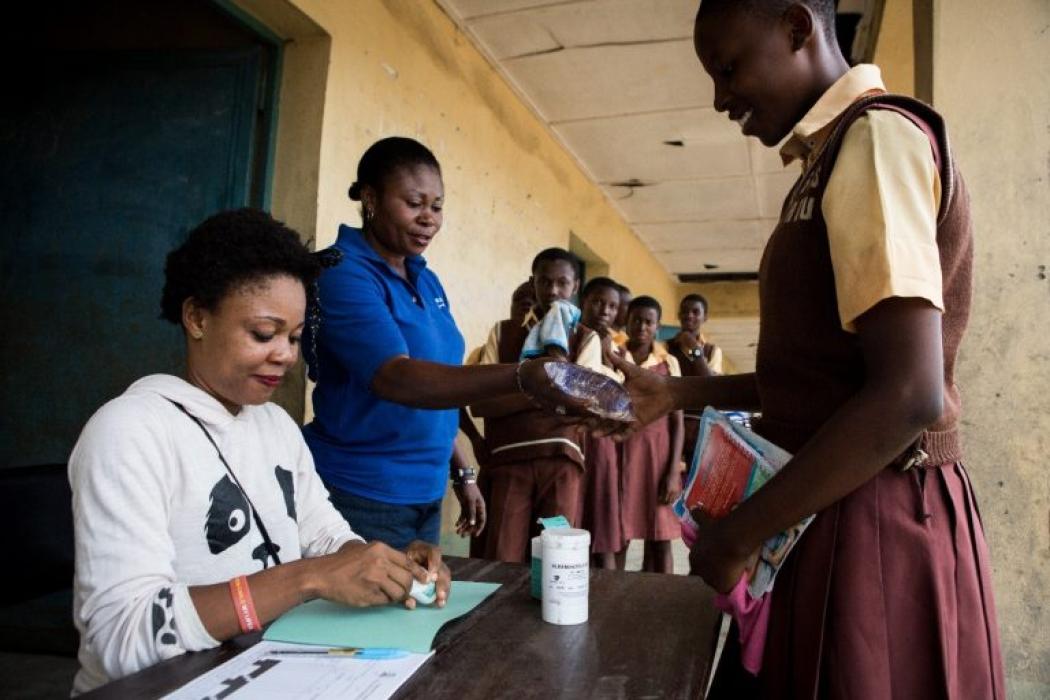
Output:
x,y
227,251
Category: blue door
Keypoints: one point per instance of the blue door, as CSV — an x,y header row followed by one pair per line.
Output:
x,y
106,161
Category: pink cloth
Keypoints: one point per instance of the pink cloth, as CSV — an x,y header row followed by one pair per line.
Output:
x,y
688,531
751,614
752,619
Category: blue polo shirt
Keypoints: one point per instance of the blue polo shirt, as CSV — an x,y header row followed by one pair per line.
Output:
x,y
368,314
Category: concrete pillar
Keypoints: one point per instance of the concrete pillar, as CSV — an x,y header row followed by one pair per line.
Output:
x,y
992,82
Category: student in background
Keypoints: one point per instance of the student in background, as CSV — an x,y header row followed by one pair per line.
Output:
x,y
600,303
522,301
619,326
551,335
651,464
536,462
696,357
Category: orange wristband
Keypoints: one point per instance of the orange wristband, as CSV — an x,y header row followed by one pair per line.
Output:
x,y
244,605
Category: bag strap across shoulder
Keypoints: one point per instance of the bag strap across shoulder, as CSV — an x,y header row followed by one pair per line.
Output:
x,y
271,548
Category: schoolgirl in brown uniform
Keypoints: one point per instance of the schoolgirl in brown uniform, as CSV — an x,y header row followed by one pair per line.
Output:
x,y
600,302
650,462
865,290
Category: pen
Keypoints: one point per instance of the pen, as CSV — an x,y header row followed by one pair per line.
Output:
x,y
363,653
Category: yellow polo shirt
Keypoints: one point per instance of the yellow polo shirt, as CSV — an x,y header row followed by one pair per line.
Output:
x,y
715,363
881,201
489,354
658,355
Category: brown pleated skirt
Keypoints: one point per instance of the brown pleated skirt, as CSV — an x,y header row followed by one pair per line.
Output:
x,y
643,462
601,495
887,595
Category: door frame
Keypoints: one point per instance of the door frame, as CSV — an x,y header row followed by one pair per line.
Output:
x,y
262,164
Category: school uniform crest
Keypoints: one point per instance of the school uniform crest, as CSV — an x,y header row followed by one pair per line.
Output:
x,y
803,199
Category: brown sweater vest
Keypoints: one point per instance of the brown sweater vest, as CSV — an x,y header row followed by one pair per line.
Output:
x,y
504,435
807,365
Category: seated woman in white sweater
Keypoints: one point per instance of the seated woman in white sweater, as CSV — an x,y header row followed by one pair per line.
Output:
x,y
198,512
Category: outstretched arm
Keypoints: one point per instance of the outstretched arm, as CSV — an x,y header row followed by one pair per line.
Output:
x,y
654,396
424,384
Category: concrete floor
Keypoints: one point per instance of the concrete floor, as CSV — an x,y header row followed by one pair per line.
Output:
x,y
678,550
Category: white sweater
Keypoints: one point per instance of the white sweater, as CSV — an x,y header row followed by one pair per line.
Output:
x,y
155,512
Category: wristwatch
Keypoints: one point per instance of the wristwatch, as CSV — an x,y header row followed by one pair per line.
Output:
x,y
465,475
696,352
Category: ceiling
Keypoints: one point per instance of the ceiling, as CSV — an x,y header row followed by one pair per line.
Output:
x,y
618,83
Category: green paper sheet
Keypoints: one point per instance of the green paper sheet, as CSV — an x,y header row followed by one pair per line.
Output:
x,y
331,624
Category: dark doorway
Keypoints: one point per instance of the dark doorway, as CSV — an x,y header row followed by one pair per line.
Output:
x,y
129,123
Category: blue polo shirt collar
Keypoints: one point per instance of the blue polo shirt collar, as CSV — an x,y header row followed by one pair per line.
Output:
x,y
352,240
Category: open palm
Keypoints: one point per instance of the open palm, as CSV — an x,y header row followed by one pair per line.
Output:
x,y
651,396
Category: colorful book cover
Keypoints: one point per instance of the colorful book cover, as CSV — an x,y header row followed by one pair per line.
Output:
x,y
729,464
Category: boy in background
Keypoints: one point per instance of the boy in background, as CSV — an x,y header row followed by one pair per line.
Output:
x,y
696,357
535,466
521,302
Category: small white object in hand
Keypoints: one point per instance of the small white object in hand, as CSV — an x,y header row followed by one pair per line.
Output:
x,y
424,593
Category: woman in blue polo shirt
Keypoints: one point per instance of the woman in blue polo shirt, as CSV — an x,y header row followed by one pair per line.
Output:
x,y
380,318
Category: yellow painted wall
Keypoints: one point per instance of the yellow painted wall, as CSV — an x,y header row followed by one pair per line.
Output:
x,y
725,298
895,50
992,82
991,69
402,67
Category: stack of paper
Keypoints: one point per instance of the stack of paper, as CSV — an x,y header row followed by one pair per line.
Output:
x,y
268,672
326,651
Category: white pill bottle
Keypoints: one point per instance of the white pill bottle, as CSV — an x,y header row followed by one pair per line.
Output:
x,y
566,575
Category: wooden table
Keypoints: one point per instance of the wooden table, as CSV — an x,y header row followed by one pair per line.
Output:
x,y
648,636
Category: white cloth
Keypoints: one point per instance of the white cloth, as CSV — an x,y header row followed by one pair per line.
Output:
x,y
155,512
555,328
